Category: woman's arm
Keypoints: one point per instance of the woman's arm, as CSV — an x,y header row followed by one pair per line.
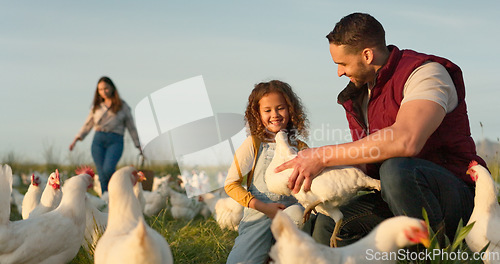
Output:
x,y
130,125
84,131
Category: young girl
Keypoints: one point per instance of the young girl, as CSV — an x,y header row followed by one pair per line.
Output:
x,y
272,106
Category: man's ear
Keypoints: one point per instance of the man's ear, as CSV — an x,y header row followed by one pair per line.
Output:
x,y
368,55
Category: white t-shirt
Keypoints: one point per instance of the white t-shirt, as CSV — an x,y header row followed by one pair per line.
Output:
x,y
431,81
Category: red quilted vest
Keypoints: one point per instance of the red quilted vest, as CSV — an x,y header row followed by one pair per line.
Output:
x,y
450,146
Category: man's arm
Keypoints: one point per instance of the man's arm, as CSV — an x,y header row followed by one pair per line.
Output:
x,y
415,123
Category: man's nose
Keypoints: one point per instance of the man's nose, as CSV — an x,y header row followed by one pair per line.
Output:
x,y
340,70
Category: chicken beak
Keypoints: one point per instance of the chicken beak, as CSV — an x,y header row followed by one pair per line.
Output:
x,y
426,242
141,175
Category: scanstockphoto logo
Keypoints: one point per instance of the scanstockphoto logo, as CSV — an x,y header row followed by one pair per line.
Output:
x,y
177,124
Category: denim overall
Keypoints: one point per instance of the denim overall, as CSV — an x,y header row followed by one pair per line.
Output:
x,y
255,238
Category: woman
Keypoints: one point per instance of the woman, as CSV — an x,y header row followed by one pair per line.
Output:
x,y
109,117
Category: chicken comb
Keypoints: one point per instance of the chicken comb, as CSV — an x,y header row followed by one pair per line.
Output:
x,y
85,170
35,180
57,173
472,164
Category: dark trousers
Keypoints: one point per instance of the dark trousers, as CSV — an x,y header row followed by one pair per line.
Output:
x,y
408,185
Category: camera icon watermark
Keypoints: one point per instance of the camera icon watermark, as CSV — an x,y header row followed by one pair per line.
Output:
x,y
177,124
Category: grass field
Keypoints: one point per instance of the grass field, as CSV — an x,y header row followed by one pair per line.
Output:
x,y
199,240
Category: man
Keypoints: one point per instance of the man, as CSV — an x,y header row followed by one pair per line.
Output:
x,y
409,124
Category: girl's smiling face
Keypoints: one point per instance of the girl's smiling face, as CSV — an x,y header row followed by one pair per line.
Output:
x,y
273,111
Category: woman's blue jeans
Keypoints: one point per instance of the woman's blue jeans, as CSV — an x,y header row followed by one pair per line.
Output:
x,y
107,149
408,185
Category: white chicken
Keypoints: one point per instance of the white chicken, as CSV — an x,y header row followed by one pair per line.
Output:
x,y
182,207
98,202
225,210
295,212
210,200
51,196
53,237
485,216
155,202
32,196
97,220
294,246
157,181
16,180
127,238
333,187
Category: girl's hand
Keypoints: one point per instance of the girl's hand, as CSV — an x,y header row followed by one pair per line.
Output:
x,y
269,209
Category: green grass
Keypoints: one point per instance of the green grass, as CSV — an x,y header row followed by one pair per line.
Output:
x,y
197,241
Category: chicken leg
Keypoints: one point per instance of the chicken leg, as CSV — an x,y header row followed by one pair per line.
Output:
x,y
334,213
309,209
334,238
337,216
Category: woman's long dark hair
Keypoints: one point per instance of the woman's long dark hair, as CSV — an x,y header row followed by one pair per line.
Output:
x,y
116,104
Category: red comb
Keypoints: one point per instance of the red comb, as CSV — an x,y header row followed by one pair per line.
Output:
x,y
472,164
85,170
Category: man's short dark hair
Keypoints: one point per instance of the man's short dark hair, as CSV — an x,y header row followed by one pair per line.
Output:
x,y
358,31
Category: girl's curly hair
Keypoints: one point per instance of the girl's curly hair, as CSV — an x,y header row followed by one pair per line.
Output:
x,y
298,124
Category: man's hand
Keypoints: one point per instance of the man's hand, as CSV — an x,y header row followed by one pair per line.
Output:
x,y
306,166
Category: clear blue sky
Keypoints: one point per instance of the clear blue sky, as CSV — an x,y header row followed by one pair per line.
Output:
x,y
53,52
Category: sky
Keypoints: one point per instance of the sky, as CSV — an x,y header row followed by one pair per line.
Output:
x,y
53,53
